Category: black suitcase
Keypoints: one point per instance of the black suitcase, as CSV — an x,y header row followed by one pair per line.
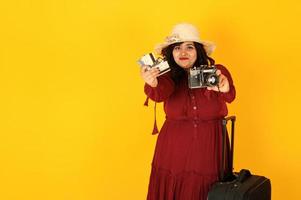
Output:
x,y
237,186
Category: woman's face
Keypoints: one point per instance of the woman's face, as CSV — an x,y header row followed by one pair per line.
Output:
x,y
185,54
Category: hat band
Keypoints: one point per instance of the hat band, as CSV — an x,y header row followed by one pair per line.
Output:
x,y
173,39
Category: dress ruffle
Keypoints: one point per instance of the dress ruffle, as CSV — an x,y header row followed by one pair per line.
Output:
x,y
165,185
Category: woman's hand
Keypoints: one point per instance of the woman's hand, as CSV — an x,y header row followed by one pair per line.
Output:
x,y
223,84
150,75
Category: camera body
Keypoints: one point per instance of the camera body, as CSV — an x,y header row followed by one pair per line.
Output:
x,y
151,61
202,76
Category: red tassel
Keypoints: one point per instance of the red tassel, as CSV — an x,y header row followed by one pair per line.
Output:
x,y
155,129
146,101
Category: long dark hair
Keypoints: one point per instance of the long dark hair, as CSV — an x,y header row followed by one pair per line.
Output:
x,y
177,72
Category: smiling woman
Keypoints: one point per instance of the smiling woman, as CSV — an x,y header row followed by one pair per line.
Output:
x,y
72,124
185,54
186,159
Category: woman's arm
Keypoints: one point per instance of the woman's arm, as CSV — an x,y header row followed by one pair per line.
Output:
x,y
157,88
229,93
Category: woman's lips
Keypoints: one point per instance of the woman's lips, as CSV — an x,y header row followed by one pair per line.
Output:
x,y
183,58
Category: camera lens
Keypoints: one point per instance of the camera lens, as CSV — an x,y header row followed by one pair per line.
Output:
x,y
212,80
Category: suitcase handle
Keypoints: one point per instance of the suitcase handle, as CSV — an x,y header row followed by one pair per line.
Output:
x,y
231,152
243,175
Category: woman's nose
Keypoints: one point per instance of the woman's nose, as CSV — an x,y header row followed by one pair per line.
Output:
x,y
182,51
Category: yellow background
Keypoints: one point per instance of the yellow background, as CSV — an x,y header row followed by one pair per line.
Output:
x,y
72,123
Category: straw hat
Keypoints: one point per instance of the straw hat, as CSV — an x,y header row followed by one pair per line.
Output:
x,y
185,33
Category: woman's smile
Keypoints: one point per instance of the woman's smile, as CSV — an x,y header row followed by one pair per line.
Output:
x,y
185,54
183,58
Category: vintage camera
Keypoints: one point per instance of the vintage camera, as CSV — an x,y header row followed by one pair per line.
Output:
x,y
151,61
202,76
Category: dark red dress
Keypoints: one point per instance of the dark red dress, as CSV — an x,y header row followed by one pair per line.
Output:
x,y
186,159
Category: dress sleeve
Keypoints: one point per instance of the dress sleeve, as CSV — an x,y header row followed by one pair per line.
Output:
x,y
228,96
163,90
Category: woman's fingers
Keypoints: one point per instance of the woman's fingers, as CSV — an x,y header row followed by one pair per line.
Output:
x,y
150,75
144,69
223,85
214,88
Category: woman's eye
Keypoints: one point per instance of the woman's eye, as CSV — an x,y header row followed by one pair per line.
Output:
x,y
177,48
190,47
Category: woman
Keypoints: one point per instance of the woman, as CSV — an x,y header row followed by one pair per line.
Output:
x,y
187,160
